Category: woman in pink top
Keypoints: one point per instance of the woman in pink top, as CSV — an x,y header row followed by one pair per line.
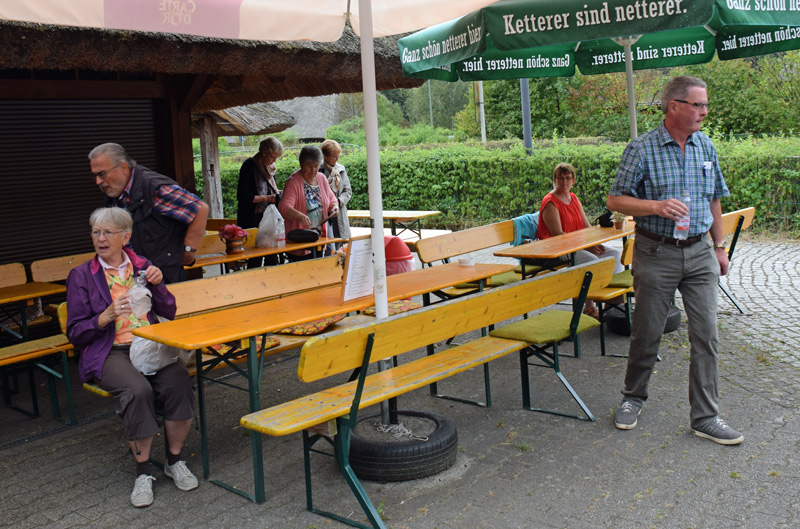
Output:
x,y
307,198
562,212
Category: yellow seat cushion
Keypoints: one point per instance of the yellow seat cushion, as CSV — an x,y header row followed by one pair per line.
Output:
x,y
396,307
548,327
312,327
506,278
622,279
268,343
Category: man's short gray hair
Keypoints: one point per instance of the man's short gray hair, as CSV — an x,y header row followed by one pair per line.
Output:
x,y
678,88
115,152
117,217
271,146
310,153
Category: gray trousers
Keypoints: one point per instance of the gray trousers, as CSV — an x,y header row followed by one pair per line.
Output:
x,y
171,386
658,270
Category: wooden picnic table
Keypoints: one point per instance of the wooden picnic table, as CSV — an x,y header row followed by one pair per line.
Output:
x,y
249,322
566,244
405,219
251,252
18,295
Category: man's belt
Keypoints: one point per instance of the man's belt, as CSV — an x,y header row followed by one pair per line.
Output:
x,y
680,243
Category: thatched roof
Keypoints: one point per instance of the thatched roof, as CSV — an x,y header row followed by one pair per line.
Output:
x,y
248,120
245,72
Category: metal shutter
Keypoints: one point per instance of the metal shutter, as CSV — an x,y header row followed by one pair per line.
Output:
x,y
46,191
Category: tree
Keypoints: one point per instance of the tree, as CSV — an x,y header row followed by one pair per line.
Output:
x,y
447,100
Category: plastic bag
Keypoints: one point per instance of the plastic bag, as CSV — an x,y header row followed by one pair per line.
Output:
x,y
269,228
148,356
139,296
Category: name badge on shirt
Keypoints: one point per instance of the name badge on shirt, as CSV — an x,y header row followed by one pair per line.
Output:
x,y
708,168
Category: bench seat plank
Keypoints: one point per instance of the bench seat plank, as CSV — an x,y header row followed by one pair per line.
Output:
x,y
329,404
34,349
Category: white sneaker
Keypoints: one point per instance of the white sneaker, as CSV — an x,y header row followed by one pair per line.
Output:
x,y
181,475
142,494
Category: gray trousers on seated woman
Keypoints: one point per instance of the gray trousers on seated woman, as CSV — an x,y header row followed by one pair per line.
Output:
x,y
171,387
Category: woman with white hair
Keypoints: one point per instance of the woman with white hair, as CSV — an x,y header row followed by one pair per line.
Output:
x,y
100,322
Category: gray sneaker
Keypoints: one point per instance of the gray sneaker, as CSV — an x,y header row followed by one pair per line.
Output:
x,y
718,431
181,475
142,494
626,416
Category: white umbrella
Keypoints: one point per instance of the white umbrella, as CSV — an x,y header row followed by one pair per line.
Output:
x,y
269,20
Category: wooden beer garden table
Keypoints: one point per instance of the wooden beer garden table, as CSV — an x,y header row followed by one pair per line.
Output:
x,y
251,321
251,252
406,220
18,295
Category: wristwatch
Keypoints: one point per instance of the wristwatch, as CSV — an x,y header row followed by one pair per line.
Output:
x,y
719,245
188,248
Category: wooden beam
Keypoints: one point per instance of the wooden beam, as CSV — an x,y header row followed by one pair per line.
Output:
x,y
209,150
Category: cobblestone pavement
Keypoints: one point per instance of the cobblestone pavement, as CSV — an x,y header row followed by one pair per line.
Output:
x,y
515,468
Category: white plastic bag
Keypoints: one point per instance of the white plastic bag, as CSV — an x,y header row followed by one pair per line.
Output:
x,y
139,296
148,356
269,227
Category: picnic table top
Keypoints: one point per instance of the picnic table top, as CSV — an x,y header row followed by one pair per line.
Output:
x,y
566,243
247,321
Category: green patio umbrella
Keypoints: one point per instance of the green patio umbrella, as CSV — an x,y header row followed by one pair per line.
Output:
x,y
513,39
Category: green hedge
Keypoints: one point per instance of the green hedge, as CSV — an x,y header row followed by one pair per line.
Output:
x,y
473,185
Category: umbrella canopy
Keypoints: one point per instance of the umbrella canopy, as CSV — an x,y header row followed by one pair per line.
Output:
x,y
268,20
514,39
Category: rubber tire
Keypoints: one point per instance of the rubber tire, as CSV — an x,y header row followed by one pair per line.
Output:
x,y
405,460
616,322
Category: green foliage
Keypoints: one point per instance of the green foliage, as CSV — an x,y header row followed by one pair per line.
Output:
x,y
445,100
473,185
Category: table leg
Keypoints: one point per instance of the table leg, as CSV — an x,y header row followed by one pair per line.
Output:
x,y
576,345
254,384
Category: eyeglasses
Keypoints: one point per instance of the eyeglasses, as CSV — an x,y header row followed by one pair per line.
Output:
x,y
697,106
103,174
564,178
105,233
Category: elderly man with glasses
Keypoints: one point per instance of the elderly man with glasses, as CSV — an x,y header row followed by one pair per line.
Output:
x,y
168,221
657,172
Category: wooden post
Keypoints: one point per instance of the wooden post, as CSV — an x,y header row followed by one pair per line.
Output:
x,y
209,150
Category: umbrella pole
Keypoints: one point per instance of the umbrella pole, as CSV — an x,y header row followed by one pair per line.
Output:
x,y
631,94
374,171
527,136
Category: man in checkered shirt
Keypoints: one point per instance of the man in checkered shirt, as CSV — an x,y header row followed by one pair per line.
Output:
x,y
656,170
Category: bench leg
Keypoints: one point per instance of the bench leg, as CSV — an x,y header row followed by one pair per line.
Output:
x,y
730,297
549,361
341,445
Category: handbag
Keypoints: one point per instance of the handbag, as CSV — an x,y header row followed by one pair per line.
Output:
x,y
302,236
605,220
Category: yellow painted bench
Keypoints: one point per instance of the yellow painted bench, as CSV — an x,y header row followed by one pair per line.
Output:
x,y
357,347
732,225
34,351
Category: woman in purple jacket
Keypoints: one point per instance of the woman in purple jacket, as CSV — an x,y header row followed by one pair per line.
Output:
x,y
99,323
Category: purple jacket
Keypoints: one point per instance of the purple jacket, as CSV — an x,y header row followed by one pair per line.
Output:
x,y
87,296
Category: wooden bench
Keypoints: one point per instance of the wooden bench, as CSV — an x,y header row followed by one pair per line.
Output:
x,y
34,352
12,274
448,246
732,225
358,346
409,237
216,224
249,286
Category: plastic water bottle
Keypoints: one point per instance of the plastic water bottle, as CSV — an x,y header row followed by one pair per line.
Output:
x,y
681,230
280,232
141,280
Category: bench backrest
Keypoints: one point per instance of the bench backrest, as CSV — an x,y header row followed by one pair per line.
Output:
x,y
248,286
449,245
730,220
57,268
12,274
342,351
